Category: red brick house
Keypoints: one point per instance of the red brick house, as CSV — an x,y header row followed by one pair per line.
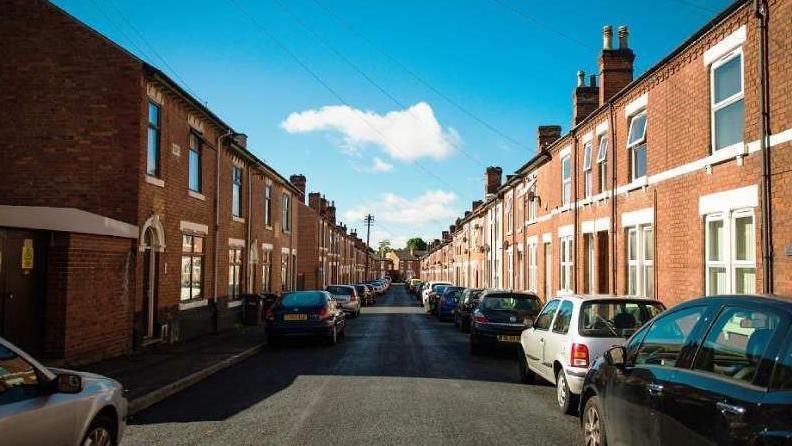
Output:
x,y
130,213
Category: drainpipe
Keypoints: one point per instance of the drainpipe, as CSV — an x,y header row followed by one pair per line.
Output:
x,y
574,169
215,257
761,14
248,228
612,125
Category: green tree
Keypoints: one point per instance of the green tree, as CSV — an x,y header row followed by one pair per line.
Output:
x,y
384,247
416,243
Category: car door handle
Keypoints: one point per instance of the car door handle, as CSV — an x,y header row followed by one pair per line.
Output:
x,y
655,389
731,409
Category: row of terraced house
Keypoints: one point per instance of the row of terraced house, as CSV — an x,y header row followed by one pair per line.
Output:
x,y
130,213
672,185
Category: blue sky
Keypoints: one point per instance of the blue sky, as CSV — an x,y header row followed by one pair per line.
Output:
x,y
397,149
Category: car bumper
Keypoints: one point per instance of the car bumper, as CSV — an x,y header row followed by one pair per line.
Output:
x,y
288,329
491,336
350,307
575,377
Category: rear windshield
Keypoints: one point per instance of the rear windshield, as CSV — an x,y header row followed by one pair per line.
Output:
x,y
341,290
303,299
511,301
608,319
440,288
360,288
453,292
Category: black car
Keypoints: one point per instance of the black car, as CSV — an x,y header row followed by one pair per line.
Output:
x,y
305,313
465,307
713,371
500,318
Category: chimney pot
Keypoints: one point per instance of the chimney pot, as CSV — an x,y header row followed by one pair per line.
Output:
x,y
607,37
581,75
623,34
593,80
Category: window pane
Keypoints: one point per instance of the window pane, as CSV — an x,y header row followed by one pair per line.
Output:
x,y
613,319
637,129
648,243
186,243
744,238
716,240
198,244
235,208
565,169
727,79
639,161
663,343
717,280
561,324
153,114
729,122
782,375
745,280
185,277
632,280
546,316
18,378
152,152
735,345
587,156
195,171
567,192
603,149
632,245
648,280
197,272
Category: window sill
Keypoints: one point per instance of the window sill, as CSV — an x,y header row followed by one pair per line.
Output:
x,y
238,219
564,208
159,182
234,303
196,195
268,227
190,304
286,231
636,184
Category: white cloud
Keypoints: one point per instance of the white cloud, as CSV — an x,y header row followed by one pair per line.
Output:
x,y
381,166
406,135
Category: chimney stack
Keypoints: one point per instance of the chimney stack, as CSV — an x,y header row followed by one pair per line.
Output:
x,y
546,135
467,214
315,201
331,212
445,236
615,65
585,99
493,178
299,182
476,204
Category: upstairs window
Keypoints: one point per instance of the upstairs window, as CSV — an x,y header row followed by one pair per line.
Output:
x,y
236,191
728,110
636,143
153,145
602,155
194,167
268,205
286,212
566,180
587,170
532,203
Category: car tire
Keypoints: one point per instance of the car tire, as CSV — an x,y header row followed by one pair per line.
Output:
x,y
593,424
564,398
527,375
475,348
332,338
101,432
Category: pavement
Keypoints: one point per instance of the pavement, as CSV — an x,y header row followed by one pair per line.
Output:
x,y
163,370
399,377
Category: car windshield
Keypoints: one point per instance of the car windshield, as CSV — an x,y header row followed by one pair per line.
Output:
x,y
613,319
303,299
511,301
339,290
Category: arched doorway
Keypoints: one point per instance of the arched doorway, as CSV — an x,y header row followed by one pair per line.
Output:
x,y
152,243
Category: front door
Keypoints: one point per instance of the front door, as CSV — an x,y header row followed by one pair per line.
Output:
x,y
150,285
22,272
548,268
602,262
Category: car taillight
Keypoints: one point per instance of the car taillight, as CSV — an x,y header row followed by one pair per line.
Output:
x,y
353,298
321,315
480,319
580,355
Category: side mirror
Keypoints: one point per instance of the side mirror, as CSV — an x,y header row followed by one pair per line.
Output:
x,y
615,357
69,383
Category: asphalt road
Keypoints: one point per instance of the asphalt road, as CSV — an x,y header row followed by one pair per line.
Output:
x,y
399,377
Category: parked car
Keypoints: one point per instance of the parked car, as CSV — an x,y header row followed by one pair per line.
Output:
x,y
715,371
41,405
434,296
430,286
500,318
448,301
379,288
465,307
572,331
412,285
419,292
348,297
306,313
366,293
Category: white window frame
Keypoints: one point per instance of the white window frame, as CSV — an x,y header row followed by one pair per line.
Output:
x,y
714,108
566,182
587,169
642,140
641,263
508,216
532,205
602,162
567,266
729,262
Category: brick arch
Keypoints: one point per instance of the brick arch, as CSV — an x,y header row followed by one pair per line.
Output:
x,y
154,224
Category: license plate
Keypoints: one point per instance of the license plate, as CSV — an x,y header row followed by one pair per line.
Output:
x,y
509,338
295,317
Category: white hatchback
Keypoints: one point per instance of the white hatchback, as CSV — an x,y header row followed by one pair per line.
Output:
x,y
572,331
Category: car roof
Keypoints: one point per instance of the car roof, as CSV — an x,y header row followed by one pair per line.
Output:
x,y
777,302
343,286
584,297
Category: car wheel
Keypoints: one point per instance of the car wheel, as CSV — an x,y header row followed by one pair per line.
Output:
x,y
475,348
526,374
100,432
564,397
593,424
332,338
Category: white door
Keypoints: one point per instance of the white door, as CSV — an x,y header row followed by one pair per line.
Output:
x,y
534,338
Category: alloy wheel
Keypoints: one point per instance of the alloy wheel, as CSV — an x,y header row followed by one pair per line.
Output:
x,y
561,390
592,435
100,436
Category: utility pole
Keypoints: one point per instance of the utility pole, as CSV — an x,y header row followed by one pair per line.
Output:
x,y
369,220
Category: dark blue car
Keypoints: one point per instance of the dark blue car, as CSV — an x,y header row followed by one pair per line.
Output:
x,y
305,314
448,301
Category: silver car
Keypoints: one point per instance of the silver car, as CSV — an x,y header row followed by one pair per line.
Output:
x,y
347,296
45,406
